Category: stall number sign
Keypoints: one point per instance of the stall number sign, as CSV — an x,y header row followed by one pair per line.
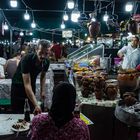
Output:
x,y
67,34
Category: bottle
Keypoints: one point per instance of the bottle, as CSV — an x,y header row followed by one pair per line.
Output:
x,y
26,111
77,111
42,106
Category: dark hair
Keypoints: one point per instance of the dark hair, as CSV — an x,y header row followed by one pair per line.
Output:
x,y
63,103
136,38
43,43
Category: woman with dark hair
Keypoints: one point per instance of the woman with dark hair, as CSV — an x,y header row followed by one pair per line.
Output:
x,y
59,123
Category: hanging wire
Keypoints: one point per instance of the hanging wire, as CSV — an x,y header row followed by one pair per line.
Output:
x,y
113,11
83,6
5,18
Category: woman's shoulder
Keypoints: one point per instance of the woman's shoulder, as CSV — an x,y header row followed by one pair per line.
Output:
x,y
77,124
40,118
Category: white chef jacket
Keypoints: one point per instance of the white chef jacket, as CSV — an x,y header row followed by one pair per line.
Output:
x,y
131,57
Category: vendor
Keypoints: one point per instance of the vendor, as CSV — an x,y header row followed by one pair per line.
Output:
x,y
24,79
130,54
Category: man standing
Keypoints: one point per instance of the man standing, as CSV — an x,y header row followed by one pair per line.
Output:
x,y
130,54
24,79
57,50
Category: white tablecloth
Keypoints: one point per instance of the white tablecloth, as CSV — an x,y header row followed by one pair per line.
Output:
x,y
6,122
5,88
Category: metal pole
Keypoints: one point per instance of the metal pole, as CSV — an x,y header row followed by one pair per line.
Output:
x,y
11,41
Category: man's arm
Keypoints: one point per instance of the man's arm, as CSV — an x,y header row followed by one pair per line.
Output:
x,y
42,84
29,91
122,51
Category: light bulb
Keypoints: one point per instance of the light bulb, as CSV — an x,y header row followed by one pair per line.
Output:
x,y
5,26
21,33
65,17
93,19
129,7
13,3
105,17
62,25
26,16
75,15
33,25
30,33
70,4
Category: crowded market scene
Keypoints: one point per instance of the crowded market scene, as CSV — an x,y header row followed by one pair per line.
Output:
x,y
70,70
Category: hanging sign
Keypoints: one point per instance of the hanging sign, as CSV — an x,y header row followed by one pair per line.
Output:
x,y
67,33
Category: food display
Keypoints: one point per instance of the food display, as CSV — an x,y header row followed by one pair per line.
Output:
x,y
87,87
128,80
111,89
129,98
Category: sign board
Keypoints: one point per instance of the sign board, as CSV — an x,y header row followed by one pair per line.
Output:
x,y
67,34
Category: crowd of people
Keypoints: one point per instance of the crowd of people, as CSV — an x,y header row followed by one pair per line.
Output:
x,y
59,123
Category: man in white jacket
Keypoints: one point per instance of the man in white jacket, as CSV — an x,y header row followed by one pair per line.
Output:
x,y
130,54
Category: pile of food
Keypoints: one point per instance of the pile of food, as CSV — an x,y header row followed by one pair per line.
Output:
x,y
20,125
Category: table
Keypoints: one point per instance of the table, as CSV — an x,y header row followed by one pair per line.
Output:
x,y
101,112
5,88
6,121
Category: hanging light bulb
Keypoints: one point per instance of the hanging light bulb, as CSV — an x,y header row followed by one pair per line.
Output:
x,y
129,7
30,33
26,15
13,3
93,19
65,16
70,4
75,15
21,33
105,17
33,24
62,25
93,16
5,26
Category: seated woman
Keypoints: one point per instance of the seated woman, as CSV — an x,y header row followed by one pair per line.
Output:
x,y
60,123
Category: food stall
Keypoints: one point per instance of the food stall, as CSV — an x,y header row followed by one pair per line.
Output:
x,y
99,94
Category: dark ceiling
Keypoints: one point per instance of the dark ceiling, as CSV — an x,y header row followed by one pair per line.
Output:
x,y
48,13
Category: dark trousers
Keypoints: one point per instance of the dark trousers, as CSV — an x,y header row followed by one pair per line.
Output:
x,y
18,96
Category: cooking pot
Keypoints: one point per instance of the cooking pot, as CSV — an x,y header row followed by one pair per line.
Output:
x,y
128,80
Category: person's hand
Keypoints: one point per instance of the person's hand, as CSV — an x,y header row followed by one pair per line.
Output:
x,y
37,110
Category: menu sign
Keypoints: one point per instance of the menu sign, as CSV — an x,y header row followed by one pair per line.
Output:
x,y
67,34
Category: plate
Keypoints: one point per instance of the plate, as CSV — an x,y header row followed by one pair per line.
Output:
x,y
22,128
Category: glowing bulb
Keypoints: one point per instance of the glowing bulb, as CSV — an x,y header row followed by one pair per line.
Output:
x,y
33,25
5,26
70,4
75,15
26,16
62,25
93,19
30,33
13,3
65,17
21,33
105,17
128,7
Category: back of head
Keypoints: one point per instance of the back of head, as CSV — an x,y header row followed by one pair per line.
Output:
x,y
43,43
63,103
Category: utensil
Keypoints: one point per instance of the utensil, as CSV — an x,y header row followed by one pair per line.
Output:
x,y
17,132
